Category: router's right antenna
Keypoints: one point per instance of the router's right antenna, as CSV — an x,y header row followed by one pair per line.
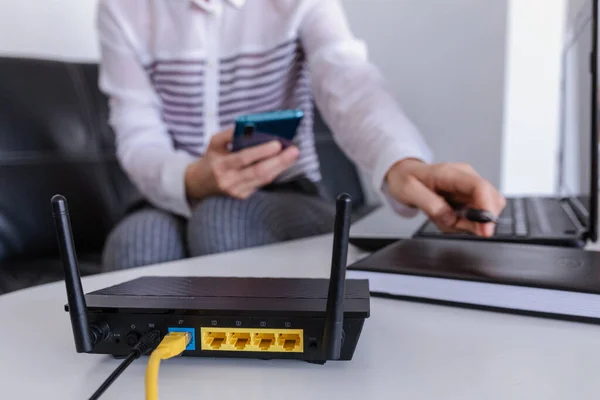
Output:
x,y
76,299
334,318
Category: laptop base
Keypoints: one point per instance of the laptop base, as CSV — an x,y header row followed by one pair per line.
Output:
x,y
532,220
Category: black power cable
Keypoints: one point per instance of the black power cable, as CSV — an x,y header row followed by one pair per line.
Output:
x,y
147,343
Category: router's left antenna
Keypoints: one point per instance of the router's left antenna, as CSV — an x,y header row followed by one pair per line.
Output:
x,y
76,299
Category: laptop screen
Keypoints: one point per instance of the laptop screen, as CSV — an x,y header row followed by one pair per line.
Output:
x,y
578,138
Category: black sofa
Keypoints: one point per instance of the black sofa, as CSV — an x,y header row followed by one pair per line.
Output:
x,y
54,138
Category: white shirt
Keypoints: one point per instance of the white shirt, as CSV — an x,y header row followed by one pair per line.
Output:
x,y
179,71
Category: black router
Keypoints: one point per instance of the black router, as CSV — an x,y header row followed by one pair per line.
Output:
x,y
314,320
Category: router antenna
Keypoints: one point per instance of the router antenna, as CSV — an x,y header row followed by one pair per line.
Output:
x,y
334,318
76,300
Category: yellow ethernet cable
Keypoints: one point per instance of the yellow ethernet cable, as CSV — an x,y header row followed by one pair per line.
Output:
x,y
172,345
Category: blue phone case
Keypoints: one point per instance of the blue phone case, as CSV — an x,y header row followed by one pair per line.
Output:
x,y
255,129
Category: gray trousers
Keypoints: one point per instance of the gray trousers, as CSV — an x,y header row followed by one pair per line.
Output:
x,y
218,224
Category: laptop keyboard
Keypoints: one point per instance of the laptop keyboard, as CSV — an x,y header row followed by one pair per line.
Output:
x,y
551,217
527,217
513,219
506,225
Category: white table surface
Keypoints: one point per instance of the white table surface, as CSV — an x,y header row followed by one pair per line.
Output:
x,y
385,222
407,350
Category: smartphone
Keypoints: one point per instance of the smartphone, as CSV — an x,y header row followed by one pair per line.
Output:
x,y
255,129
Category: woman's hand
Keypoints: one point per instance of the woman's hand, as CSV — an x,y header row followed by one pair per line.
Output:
x,y
239,174
430,186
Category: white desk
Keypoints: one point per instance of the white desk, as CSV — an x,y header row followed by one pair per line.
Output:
x,y
407,350
384,222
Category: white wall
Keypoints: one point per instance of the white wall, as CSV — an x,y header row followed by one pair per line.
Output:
x,y
61,29
445,61
532,113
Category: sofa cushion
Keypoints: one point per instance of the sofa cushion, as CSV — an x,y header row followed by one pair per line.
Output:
x,y
49,143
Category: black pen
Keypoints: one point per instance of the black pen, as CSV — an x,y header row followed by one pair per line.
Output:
x,y
476,215
472,214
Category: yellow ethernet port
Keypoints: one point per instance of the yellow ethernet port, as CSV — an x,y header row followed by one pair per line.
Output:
x,y
264,341
213,340
239,340
288,341
248,339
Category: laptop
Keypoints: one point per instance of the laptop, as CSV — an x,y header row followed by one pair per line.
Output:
x,y
568,219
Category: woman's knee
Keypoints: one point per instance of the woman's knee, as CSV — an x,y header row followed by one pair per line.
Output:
x,y
220,224
145,237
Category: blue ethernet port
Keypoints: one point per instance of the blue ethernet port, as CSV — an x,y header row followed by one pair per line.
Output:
x,y
192,344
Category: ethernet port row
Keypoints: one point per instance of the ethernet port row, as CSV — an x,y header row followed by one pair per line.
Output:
x,y
245,339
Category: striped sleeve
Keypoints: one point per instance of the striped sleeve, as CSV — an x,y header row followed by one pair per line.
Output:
x,y
355,99
144,147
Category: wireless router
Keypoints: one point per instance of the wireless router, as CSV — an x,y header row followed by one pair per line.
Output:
x,y
314,320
